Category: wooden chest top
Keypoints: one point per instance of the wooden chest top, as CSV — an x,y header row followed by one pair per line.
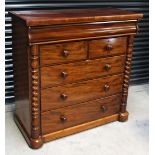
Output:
x,y
72,24
65,16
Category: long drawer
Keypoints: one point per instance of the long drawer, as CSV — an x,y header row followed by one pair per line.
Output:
x,y
69,94
72,72
77,114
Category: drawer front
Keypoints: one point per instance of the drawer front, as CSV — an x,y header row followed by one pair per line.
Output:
x,y
78,31
62,53
69,94
61,74
107,47
80,113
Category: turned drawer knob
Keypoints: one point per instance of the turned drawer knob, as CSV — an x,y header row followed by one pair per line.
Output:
x,y
106,87
109,47
63,118
107,67
64,96
65,53
64,74
103,108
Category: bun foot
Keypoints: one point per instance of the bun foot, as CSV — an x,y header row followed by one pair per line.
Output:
x,y
123,117
36,143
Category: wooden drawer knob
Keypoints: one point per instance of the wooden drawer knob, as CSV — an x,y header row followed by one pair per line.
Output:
x,y
107,67
106,87
109,47
63,118
64,74
103,108
65,53
64,96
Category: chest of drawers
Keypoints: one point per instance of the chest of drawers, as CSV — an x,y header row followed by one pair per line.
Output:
x,y
71,70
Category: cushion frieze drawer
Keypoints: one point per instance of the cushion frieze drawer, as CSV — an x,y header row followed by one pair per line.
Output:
x,y
72,72
63,52
73,115
60,96
107,47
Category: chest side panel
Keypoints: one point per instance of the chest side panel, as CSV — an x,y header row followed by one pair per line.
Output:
x,y
21,74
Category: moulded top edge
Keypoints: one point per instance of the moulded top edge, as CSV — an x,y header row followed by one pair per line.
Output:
x,y
67,16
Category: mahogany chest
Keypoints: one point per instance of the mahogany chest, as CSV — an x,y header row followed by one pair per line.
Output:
x,y
71,70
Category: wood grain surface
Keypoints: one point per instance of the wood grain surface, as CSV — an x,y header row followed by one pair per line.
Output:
x,y
68,16
52,98
80,31
61,53
80,113
107,47
83,70
21,74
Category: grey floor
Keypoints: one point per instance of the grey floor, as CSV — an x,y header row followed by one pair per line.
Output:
x,y
129,138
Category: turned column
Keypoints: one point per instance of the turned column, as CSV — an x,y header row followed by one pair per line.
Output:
x,y
123,112
36,140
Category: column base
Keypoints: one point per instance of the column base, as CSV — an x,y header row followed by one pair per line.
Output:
x,y
33,143
36,143
123,117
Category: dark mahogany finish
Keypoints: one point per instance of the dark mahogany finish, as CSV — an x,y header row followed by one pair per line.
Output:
x,y
70,94
62,118
71,70
69,16
62,53
77,71
107,47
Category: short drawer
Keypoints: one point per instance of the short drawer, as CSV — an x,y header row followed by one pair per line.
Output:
x,y
62,53
69,94
107,47
60,119
72,72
